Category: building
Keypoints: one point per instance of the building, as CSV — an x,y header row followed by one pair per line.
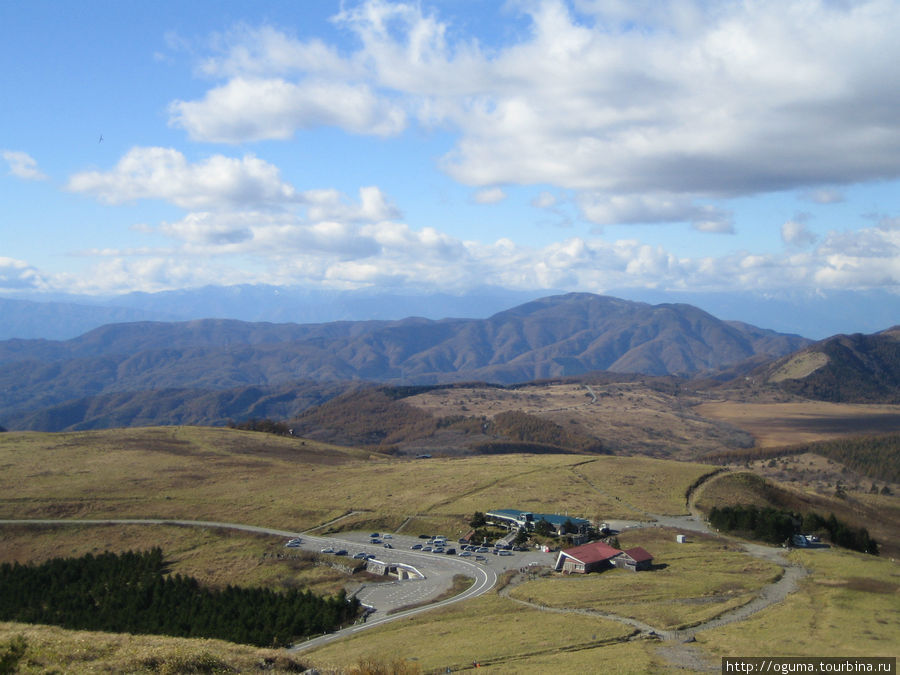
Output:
x,y
515,519
634,559
597,556
593,557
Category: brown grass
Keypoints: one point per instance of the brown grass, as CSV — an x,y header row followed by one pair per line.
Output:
x,y
848,606
213,556
246,477
55,650
690,583
776,424
628,417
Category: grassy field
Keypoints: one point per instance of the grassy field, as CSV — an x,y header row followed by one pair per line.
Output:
x,y
692,582
252,478
213,556
54,650
233,476
775,424
488,630
848,606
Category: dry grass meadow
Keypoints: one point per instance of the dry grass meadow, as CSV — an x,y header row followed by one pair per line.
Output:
x,y
693,582
290,484
628,417
257,479
848,606
775,424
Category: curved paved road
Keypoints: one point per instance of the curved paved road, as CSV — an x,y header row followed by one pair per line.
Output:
x,y
439,570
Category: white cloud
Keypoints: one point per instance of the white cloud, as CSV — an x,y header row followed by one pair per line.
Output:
x,y
333,205
544,200
22,165
654,208
686,101
491,195
795,233
19,275
165,173
283,248
257,109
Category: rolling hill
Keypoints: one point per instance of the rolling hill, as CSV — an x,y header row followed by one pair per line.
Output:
x,y
552,337
842,369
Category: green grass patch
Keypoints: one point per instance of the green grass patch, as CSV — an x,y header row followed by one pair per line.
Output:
x,y
487,629
848,606
690,583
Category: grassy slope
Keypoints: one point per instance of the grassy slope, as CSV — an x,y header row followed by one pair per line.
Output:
x,y
245,477
848,606
700,580
252,478
877,513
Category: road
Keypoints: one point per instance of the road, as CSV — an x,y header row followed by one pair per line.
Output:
x,y
438,570
385,598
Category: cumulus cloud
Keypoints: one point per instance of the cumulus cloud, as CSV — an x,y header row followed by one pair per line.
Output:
x,y
285,248
19,275
491,195
22,165
795,233
258,109
699,105
333,205
165,173
654,208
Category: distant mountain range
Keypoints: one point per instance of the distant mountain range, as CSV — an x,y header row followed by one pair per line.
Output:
x,y
60,317
44,383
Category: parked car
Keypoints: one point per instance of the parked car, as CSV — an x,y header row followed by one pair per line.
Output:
x,y
359,556
480,558
374,535
388,546
465,554
327,550
416,547
450,551
341,552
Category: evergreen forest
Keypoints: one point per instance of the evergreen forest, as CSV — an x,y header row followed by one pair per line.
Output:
x,y
132,593
776,526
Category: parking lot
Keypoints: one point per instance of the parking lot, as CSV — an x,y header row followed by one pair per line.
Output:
x,y
437,569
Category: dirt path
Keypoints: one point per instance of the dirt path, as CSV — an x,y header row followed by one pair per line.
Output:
x,y
678,649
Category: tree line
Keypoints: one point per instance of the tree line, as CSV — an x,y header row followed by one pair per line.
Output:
x,y
777,525
876,456
132,593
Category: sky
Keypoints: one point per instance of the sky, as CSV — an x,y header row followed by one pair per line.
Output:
x,y
584,145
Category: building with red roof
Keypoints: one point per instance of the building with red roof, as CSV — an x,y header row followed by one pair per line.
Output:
x,y
597,556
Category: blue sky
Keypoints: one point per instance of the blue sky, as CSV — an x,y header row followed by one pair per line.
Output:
x,y
584,145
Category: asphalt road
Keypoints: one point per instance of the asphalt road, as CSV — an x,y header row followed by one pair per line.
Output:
x,y
437,569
